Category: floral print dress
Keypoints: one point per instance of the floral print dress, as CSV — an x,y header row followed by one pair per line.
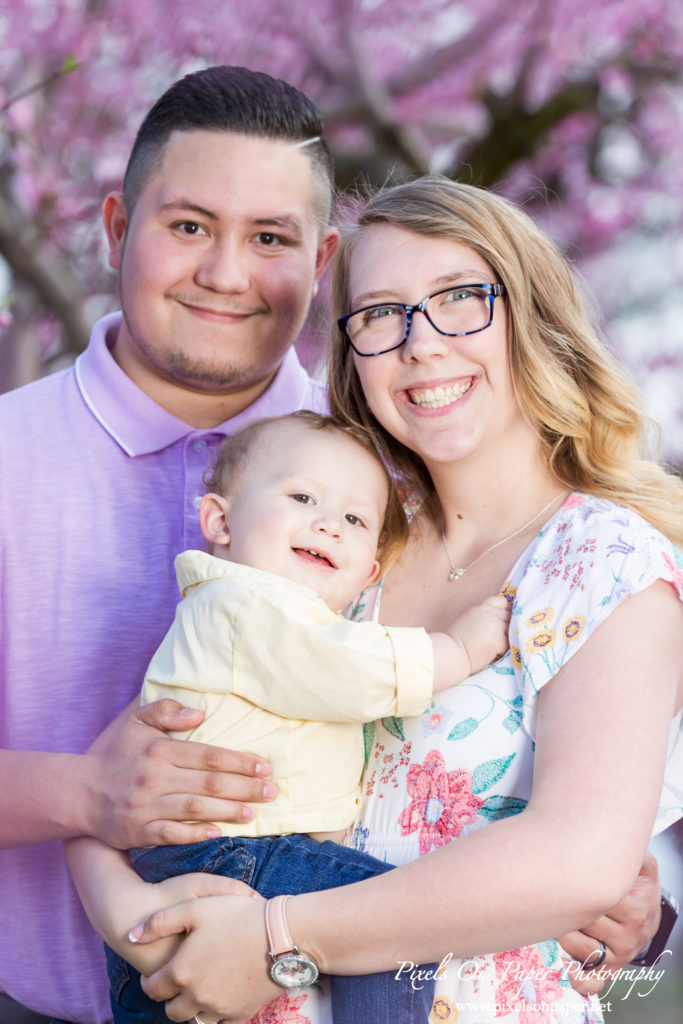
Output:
x,y
468,760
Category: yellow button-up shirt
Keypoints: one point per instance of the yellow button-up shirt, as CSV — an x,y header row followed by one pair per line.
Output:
x,y
281,675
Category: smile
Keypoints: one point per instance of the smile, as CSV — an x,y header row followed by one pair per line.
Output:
x,y
314,557
218,315
440,396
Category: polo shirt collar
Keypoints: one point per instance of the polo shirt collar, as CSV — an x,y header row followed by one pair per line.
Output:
x,y
138,424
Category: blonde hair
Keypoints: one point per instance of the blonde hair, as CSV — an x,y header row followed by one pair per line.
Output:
x,y
232,458
573,393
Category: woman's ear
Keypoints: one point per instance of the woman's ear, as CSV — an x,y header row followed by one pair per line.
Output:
x,y
213,519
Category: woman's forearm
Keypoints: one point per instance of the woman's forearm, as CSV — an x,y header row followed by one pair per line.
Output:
x,y
525,903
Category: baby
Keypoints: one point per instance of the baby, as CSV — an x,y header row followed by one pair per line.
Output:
x,y
301,516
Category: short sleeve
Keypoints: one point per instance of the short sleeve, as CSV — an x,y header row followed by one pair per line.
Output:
x,y
592,556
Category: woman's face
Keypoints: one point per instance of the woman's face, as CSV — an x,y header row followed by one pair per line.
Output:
x,y
443,397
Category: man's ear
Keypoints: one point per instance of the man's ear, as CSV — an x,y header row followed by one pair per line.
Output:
x,y
327,246
213,519
115,224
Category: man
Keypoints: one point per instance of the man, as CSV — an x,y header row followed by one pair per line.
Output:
x,y
219,238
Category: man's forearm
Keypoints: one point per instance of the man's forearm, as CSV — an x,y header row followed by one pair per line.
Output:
x,y
115,899
42,797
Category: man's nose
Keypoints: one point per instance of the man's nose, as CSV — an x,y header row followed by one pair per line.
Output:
x,y
223,268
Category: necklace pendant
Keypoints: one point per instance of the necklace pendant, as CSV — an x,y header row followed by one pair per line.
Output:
x,y
455,573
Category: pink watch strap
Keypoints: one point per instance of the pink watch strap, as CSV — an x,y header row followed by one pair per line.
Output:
x,y
279,939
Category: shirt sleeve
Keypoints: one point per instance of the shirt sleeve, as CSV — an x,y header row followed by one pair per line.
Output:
x,y
591,559
296,658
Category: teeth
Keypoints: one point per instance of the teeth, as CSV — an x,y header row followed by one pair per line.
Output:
x,y
437,398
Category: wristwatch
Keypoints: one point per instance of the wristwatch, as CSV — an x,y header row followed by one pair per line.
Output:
x,y
288,967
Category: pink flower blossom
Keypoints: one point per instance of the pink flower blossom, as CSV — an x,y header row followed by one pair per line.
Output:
x,y
284,1010
442,802
523,979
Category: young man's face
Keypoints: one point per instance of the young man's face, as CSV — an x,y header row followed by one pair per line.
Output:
x,y
309,505
218,264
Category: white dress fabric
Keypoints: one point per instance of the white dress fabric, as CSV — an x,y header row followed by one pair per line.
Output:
x,y
468,759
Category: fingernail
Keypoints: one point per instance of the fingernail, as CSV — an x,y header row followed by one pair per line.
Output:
x,y
269,790
262,768
135,933
188,713
247,813
213,832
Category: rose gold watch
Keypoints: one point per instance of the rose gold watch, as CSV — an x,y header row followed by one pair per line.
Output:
x,y
288,967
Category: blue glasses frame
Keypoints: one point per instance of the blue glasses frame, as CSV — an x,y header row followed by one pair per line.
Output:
x,y
492,292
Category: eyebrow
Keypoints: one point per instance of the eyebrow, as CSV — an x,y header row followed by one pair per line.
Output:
x,y
186,205
183,205
291,224
471,276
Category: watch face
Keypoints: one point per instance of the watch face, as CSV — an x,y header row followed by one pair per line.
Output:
x,y
294,970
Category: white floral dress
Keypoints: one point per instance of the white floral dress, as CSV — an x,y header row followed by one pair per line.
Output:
x,y
468,759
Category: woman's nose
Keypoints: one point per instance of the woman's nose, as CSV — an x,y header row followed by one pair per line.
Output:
x,y
423,341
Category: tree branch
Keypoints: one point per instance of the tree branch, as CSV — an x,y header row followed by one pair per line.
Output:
x,y
59,295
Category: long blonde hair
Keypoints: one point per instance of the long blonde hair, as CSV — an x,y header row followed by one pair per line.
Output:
x,y
586,412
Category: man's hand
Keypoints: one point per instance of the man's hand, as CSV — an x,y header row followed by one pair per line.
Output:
x,y
146,789
625,931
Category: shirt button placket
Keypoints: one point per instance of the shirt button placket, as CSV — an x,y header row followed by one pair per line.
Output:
x,y
196,458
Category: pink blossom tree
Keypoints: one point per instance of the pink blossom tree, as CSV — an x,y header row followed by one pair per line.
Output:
x,y
570,106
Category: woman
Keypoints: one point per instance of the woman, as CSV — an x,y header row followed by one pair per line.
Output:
x,y
466,351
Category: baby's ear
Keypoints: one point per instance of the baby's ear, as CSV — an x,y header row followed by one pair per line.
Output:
x,y
376,568
213,519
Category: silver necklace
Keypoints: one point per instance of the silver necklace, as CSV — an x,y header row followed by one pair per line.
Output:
x,y
459,570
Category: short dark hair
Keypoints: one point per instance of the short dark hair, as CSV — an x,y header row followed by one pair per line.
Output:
x,y
233,456
229,99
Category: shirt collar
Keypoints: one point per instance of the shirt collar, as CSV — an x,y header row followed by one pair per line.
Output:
x,y
138,424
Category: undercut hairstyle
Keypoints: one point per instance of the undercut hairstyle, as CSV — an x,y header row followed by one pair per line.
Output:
x,y
586,412
233,456
237,100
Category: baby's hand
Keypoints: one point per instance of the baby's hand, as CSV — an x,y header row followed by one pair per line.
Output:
x,y
483,631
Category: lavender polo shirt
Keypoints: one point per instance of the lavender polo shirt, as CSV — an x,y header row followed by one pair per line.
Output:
x,y
99,489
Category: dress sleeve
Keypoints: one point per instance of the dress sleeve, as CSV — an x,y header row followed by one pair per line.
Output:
x,y
296,658
590,558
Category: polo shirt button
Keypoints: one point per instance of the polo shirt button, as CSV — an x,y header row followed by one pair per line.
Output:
x,y
199,446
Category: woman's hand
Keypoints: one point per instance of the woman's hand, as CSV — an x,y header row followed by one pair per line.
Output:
x,y
220,970
626,930
147,789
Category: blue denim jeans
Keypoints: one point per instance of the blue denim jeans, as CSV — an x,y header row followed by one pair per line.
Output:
x,y
275,865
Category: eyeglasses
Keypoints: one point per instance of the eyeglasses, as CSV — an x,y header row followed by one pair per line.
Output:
x,y
454,311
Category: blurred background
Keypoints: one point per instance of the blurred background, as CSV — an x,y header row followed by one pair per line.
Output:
x,y
572,107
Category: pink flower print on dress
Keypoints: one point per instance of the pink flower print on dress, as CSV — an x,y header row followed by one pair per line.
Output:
x,y
525,982
573,500
284,1010
442,802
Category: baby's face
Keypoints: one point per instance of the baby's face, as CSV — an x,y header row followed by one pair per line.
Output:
x,y
309,506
